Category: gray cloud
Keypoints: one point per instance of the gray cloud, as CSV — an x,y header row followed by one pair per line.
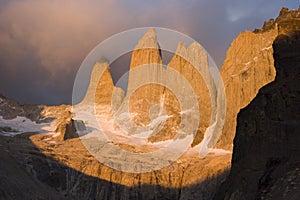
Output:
x,y
44,42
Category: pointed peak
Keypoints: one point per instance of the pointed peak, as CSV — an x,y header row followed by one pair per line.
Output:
x,y
102,64
99,68
149,40
181,45
181,49
103,61
188,52
195,46
150,33
196,52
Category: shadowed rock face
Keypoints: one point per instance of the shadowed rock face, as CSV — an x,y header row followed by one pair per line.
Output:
x,y
16,180
266,156
69,129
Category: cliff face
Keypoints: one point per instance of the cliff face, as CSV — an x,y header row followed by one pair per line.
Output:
x,y
192,63
266,156
146,51
146,90
100,89
248,66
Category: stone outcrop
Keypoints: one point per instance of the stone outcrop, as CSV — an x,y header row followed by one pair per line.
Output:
x,y
104,87
288,20
100,86
192,63
145,52
146,55
248,66
266,156
101,95
144,89
69,129
150,92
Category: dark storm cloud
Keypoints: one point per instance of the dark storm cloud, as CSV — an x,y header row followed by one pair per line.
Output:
x,y
42,43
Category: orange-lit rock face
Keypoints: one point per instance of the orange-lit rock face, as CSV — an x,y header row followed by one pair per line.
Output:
x,y
149,102
248,66
104,89
161,103
201,91
103,93
191,63
146,51
185,172
145,56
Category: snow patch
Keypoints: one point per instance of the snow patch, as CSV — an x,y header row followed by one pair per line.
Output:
x,y
248,63
23,124
216,152
266,48
102,127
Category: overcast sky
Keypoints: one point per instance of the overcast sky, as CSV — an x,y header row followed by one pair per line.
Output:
x,y
42,43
